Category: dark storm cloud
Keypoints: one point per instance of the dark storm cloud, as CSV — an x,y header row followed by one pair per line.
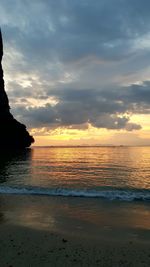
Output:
x,y
135,98
138,93
72,114
99,108
53,36
75,29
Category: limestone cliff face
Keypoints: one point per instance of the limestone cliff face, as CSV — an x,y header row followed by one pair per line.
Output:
x,y
13,134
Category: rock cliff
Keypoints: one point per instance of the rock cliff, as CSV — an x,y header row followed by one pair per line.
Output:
x,y
13,134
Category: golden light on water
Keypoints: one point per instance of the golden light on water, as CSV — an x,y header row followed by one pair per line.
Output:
x,y
81,169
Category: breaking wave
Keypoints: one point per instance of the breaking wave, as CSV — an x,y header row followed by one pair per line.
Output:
x,y
110,194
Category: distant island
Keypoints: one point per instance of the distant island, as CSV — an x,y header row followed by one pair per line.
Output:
x,y
13,134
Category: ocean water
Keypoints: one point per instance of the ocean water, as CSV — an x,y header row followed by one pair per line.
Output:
x,y
111,173
88,192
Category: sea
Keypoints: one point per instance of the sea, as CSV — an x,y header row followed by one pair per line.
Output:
x,y
112,173
78,189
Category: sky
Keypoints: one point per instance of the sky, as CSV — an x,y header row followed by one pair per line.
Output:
x,y
77,72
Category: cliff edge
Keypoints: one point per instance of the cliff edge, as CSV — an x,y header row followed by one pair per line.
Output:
x,y
13,134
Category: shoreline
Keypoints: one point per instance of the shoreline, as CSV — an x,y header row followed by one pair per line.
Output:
x,y
57,231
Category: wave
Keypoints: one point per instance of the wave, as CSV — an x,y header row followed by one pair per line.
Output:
x,y
110,194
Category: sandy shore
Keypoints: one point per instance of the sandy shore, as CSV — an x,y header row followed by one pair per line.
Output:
x,y
50,231
22,246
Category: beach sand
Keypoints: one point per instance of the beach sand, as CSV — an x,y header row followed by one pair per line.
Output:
x,y
20,246
39,231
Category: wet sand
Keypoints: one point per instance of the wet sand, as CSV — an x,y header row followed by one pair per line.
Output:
x,y
43,231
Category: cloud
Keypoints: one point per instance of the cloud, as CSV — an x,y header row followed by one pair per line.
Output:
x,y
101,109
79,60
73,30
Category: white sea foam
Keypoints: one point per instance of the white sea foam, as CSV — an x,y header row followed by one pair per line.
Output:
x,y
110,194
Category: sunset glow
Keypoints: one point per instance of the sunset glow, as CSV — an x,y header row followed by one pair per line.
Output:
x,y
81,75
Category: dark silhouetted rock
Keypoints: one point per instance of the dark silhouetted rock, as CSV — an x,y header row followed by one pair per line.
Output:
x,y
13,134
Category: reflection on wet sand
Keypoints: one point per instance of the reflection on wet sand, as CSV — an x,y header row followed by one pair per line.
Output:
x,y
7,162
84,217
